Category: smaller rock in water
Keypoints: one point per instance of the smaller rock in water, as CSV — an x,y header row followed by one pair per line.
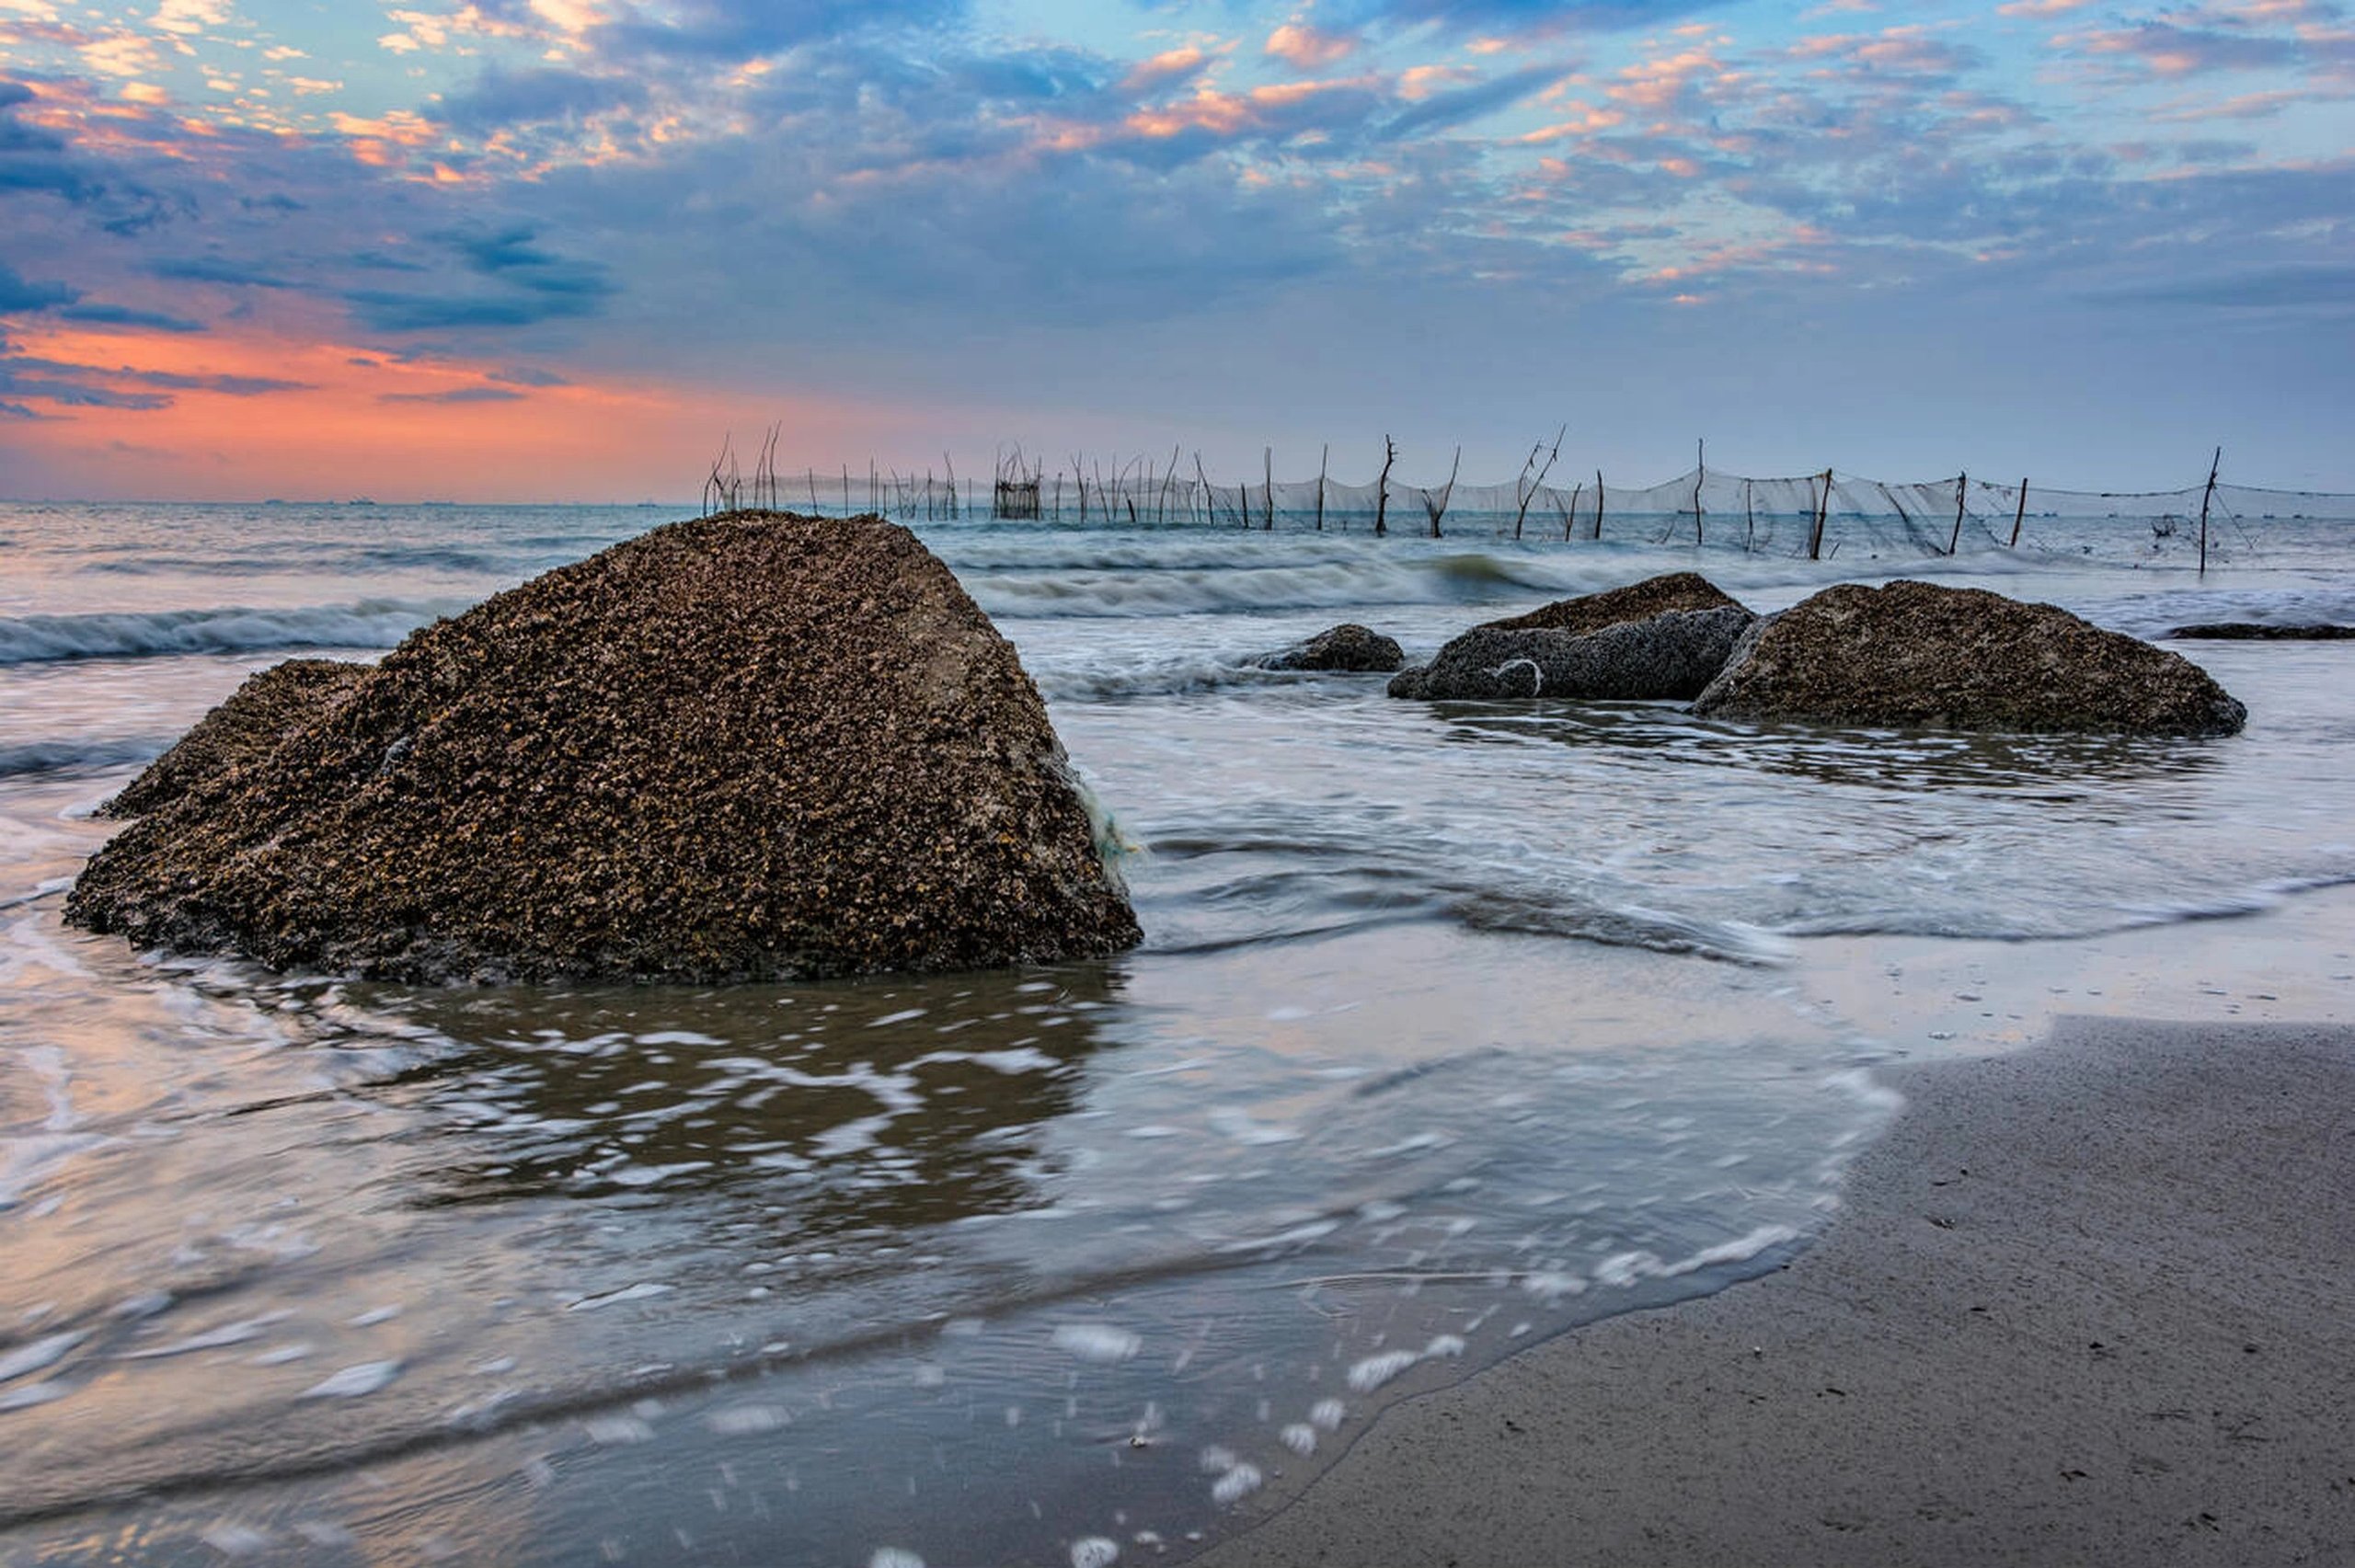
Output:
x,y
1636,602
1349,647
1670,656
2256,631
271,705
1916,655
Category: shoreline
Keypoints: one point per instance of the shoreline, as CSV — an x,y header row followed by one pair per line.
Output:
x,y
2091,1302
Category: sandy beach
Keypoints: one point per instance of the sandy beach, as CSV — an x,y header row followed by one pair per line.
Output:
x,y
2092,1302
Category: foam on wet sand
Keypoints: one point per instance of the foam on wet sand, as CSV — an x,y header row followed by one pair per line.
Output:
x,y
2091,1303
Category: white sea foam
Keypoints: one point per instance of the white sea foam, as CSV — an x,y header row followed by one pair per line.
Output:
x,y
1101,1343
231,1540
42,1353
213,1338
1370,1373
746,1420
1236,1484
1093,1551
643,1290
1238,1124
354,1381
1298,1236
24,1396
614,1431
1741,1249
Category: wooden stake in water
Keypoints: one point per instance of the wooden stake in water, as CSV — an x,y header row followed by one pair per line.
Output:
x,y
1538,484
1382,488
1700,472
1446,494
1961,488
2020,516
1323,461
2205,499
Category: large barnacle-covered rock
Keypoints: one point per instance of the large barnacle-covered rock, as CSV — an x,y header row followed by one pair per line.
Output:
x,y
742,747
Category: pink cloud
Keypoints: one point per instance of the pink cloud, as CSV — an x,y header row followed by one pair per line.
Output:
x,y
1306,48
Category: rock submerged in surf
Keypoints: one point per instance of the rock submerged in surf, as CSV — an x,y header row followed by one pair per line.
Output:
x,y
1664,637
1671,655
1916,654
745,747
1669,592
2264,631
246,728
1349,646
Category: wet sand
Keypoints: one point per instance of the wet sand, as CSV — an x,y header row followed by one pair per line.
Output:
x,y
2090,1303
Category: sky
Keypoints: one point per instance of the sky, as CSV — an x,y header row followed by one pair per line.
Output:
x,y
561,249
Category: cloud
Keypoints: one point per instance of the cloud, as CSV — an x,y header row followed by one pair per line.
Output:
x,y
1035,75
20,378
123,315
510,254
501,98
19,294
216,270
1442,111
526,376
1541,15
188,17
100,380
745,30
537,286
2164,47
2271,288
228,385
1306,47
458,395
1161,70
383,312
34,159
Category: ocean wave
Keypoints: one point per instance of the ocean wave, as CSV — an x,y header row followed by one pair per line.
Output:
x,y
1532,913
1298,583
2077,923
365,624
302,559
75,755
1102,680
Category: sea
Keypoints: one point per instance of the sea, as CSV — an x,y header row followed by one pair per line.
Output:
x,y
1455,1026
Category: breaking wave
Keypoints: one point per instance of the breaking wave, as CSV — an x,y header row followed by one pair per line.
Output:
x,y
365,624
74,756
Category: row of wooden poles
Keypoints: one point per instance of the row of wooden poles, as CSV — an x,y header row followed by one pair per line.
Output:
x,y
726,487
1020,492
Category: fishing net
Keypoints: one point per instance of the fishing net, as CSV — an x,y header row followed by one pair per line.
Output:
x,y
1828,515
